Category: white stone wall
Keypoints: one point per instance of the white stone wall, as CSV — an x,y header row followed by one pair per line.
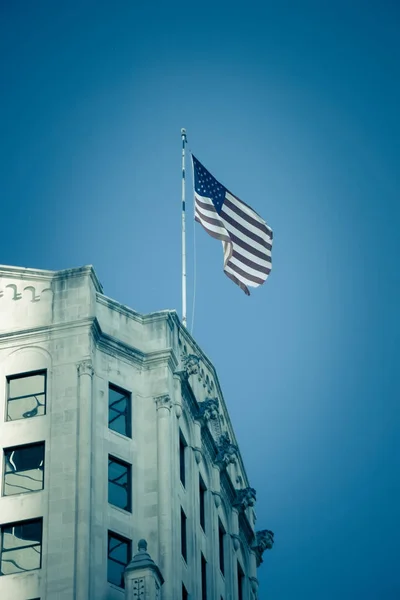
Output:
x,y
61,322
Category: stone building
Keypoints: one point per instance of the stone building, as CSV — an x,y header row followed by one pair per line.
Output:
x,y
114,430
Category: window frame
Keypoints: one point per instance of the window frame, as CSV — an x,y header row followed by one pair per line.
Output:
x,y
183,535
26,375
20,447
221,546
182,458
203,577
128,414
240,580
40,544
128,467
116,536
202,503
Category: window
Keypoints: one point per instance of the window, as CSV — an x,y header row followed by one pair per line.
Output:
x,y
119,554
203,578
21,547
119,483
26,395
183,535
182,465
240,580
202,498
23,469
221,542
185,595
119,410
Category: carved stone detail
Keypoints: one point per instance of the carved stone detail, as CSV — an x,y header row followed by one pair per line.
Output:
x,y
254,585
209,409
33,292
163,401
29,289
138,588
236,541
227,452
264,541
217,499
85,367
190,364
245,498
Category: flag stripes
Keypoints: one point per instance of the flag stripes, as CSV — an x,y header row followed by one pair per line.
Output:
x,y
245,236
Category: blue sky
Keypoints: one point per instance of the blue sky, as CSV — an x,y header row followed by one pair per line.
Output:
x,y
294,107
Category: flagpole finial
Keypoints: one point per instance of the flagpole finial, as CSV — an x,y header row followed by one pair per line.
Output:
x,y
183,133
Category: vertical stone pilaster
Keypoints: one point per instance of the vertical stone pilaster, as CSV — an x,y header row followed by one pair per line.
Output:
x,y
83,481
163,404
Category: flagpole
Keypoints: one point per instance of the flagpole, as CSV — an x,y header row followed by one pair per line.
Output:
x,y
184,141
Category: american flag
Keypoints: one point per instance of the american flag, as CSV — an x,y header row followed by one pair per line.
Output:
x,y
245,236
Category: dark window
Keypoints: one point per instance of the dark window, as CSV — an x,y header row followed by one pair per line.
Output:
x,y
185,595
119,554
26,395
119,483
21,547
119,410
183,535
202,498
23,469
221,542
203,578
240,581
182,465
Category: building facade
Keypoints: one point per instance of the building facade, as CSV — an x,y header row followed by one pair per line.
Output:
x,y
113,429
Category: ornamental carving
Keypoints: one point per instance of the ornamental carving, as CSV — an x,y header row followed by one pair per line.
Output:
x,y
14,292
245,498
85,368
208,409
264,541
227,452
163,401
138,589
190,364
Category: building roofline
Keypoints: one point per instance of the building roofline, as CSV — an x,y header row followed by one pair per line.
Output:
x,y
47,275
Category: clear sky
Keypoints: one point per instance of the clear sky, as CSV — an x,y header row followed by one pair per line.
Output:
x,y
294,106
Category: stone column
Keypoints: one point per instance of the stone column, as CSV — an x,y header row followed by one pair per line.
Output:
x,y
143,578
83,481
165,538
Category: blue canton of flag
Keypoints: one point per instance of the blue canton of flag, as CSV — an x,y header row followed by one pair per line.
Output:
x,y
246,238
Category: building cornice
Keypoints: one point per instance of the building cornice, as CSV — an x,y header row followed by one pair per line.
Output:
x,y
146,360
44,331
44,275
162,315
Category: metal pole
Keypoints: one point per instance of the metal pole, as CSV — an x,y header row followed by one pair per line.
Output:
x,y
184,141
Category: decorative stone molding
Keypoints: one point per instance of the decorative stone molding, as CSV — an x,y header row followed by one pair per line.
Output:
x,y
85,367
254,585
264,541
198,455
236,541
178,410
163,401
217,499
227,452
245,498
